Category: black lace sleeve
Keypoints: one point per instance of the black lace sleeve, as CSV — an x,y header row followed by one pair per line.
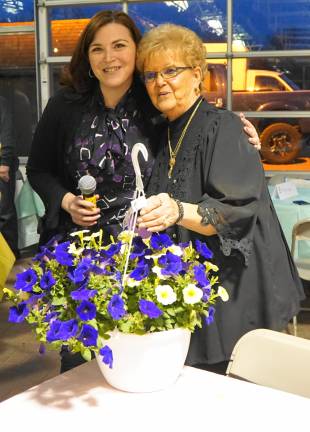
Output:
x,y
233,180
226,236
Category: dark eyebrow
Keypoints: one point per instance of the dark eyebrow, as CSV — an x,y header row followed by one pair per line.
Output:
x,y
120,40
115,41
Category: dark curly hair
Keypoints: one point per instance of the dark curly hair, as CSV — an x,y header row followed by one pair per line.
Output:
x,y
76,74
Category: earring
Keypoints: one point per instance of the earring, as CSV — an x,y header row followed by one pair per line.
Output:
x,y
90,73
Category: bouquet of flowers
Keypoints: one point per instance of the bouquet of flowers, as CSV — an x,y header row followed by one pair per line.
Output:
x,y
77,292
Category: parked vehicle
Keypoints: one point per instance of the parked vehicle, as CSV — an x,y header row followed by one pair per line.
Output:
x,y
262,90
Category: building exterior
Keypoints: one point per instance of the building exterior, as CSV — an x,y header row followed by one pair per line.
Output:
x,y
37,40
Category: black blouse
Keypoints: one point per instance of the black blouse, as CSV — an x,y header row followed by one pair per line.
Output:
x,y
78,135
102,148
220,171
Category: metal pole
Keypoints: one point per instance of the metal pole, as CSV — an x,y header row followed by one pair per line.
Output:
x,y
229,53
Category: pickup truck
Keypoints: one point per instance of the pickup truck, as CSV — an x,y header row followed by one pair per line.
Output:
x,y
266,91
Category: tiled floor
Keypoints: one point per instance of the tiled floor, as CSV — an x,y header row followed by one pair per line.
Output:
x,y
21,366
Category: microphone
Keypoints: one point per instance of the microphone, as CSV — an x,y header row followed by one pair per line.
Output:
x,y
87,185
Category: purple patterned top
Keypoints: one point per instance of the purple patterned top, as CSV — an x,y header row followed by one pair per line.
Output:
x,y
102,148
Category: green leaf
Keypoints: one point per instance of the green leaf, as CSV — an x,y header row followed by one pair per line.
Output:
x,y
86,354
170,311
9,293
57,301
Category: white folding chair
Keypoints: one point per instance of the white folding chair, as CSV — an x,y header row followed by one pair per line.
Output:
x,y
272,359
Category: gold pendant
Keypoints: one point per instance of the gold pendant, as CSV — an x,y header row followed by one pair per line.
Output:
x,y
171,166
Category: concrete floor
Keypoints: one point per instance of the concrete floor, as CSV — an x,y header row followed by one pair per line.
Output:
x,y
21,365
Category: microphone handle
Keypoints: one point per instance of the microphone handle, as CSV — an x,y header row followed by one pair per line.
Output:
x,y
91,198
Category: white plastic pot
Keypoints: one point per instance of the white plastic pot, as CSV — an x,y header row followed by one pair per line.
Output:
x,y
146,363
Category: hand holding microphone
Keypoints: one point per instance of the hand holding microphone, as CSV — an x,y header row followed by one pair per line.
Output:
x,y
87,185
82,209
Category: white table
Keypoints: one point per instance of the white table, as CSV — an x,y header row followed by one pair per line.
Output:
x,y
81,400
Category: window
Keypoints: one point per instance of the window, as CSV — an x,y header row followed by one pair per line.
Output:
x,y
241,41
265,83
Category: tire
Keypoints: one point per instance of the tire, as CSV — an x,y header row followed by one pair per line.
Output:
x,y
280,143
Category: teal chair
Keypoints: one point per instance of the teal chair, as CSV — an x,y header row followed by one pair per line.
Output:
x,y
301,232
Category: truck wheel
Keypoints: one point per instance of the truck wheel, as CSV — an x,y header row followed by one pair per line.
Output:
x,y
280,143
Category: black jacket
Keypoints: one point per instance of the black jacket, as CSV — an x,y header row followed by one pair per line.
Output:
x,y
7,140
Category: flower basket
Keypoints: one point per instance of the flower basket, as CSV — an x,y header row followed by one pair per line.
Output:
x,y
146,363
80,293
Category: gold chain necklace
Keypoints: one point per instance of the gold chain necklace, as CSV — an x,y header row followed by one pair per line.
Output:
x,y
173,153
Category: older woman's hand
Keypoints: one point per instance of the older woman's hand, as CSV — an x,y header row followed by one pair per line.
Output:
x,y
82,212
251,132
160,212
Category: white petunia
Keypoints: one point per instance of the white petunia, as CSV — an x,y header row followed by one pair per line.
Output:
x,y
72,249
221,291
132,282
192,294
78,233
157,271
155,256
165,294
176,250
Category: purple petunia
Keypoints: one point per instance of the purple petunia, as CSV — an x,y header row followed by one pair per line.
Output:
x,y
42,348
81,272
47,280
18,313
149,308
44,255
107,356
172,264
99,269
62,330
116,307
206,293
119,278
141,271
51,316
200,274
160,241
33,299
70,328
113,249
82,294
62,255
210,318
138,248
26,280
86,310
88,335
203,249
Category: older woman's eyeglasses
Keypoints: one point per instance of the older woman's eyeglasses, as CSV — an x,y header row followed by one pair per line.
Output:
x,y
166,74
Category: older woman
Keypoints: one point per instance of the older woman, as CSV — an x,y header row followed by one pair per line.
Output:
x,y
208,184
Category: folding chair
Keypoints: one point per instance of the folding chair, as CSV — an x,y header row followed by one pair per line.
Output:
x,y
272,359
